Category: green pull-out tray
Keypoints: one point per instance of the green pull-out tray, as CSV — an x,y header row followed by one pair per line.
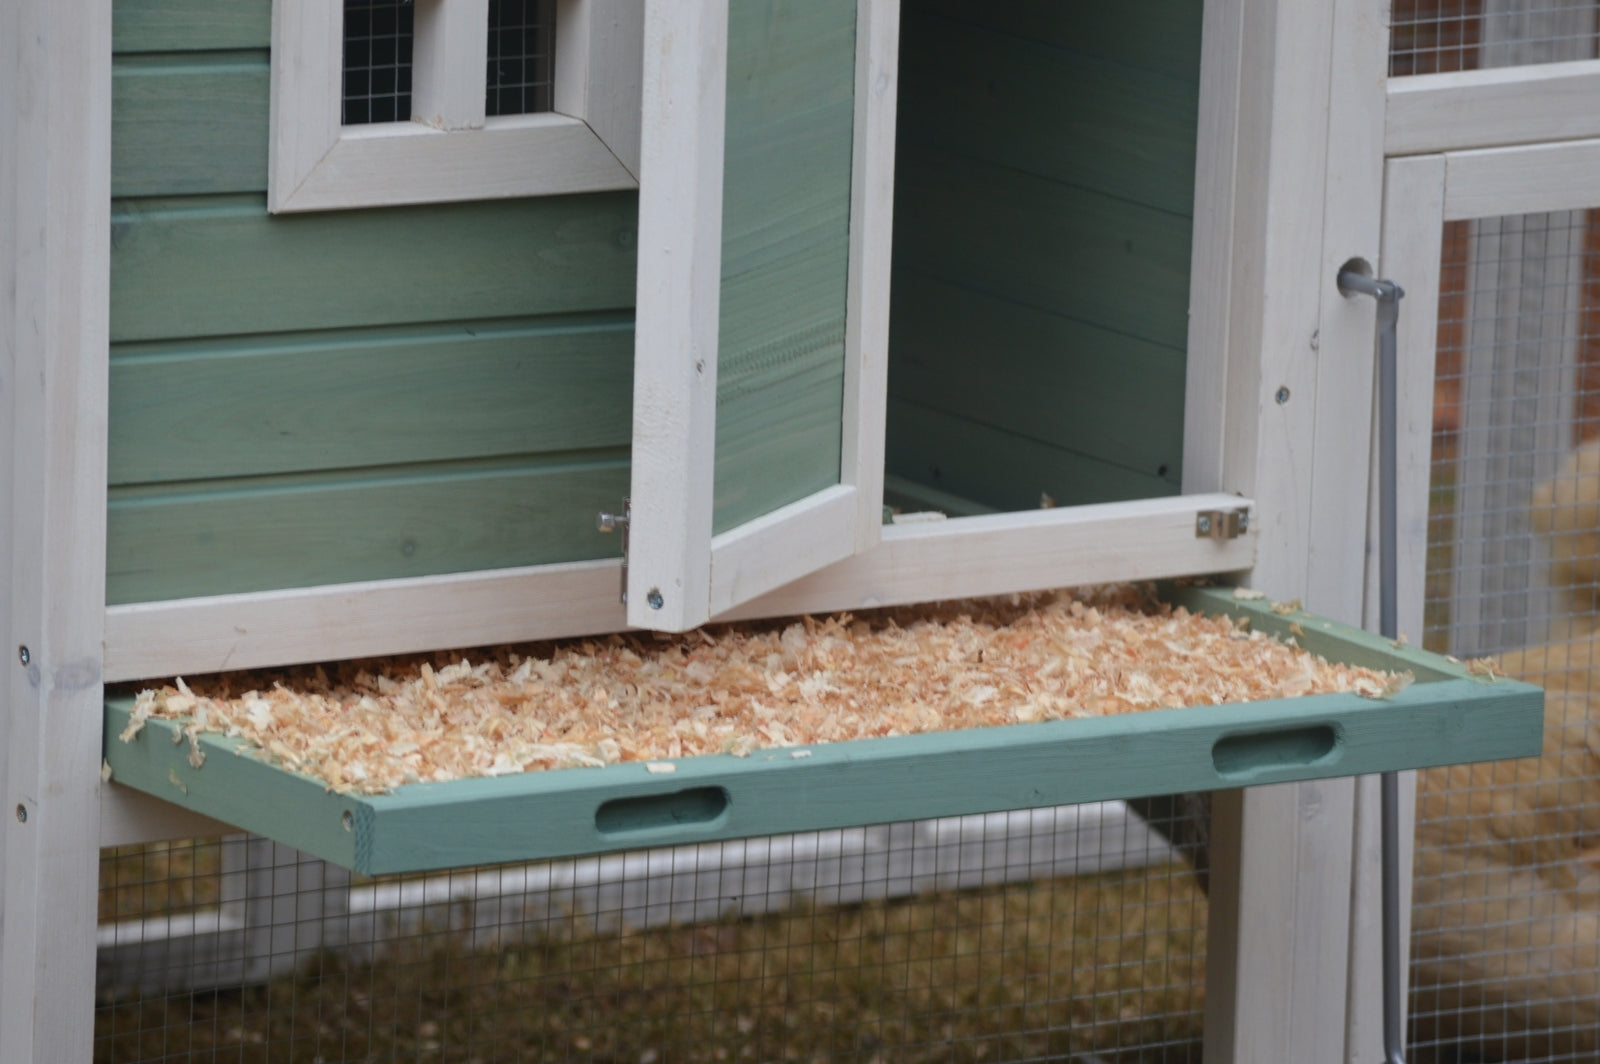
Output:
x,y
1446,717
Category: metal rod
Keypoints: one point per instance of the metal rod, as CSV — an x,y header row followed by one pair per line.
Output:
x,y
1388,295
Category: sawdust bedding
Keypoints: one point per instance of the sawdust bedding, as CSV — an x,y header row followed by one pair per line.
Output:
x,y
369,726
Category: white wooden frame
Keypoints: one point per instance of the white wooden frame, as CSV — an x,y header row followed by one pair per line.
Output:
x,y
679,573
55,193
1288,184
1492,108
450,151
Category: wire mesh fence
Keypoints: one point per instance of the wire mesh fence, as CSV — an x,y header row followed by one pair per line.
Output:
x,y
1435,36
521,51
378,39
1507,900
1068,933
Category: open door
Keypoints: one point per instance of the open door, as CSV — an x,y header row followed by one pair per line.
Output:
x,y
761,351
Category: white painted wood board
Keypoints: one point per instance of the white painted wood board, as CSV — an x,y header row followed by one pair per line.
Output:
x,y
1491,108
55,190
1147,539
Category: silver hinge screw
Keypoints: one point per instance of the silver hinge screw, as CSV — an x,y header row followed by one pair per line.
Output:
x,y
24,656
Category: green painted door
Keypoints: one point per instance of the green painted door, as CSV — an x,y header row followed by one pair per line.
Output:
x,y
740,363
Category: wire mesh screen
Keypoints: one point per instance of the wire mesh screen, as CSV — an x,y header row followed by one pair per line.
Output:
x,y
1055,934
378,36
1433,36
1506,914
521,40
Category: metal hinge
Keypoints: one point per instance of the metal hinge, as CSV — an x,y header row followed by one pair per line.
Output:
x,y
1221,524
609,522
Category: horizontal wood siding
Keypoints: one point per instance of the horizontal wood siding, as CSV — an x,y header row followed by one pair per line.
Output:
x,y
1044,199
345,396
189,25
786,230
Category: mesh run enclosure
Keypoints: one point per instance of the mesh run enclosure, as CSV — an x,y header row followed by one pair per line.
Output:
x,y
521,46
378,37
1057,934
1434,36
1506,912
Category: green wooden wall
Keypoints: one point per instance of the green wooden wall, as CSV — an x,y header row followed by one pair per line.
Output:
x,y
354,395
785,252
1044,188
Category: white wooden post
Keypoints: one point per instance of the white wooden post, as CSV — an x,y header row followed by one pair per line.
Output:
x,y
1288,187
55,197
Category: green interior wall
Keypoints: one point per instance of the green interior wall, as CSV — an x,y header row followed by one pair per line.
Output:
x,y
1043,212
785,253
351,395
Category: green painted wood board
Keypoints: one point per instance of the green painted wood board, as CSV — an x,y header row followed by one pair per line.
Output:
x,y
1161,36
1452,718
1073,118
302,402
189,124
1086,255
264,533
189,25
1004,470
1047,377
785,252
219,266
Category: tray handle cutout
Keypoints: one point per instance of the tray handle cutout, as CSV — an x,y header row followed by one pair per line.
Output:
x,y
1246,755
695,807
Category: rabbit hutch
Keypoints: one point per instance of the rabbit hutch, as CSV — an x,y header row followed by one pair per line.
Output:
x,y
321,347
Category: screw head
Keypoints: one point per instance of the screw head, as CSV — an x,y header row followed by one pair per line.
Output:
x,y
654,598
22,813
23,655
348,820
1202,524
1282,396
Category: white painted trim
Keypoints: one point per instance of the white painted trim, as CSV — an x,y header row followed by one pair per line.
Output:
x,y
448,58
317,164
599,68
1489,108
1492,182
1031,550
1413,237
782,546
866,392
1206,384
250,631
678,301
1148,539
1286,188
55,193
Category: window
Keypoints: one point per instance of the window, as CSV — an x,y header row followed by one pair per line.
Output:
x,y
380,102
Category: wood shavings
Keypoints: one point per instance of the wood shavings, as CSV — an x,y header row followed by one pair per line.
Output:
x,y
1244,594
368,727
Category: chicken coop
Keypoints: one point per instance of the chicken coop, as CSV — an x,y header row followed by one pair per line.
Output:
x,y
339,332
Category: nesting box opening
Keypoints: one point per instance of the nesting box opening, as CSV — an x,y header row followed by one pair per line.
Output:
x,y
1044,187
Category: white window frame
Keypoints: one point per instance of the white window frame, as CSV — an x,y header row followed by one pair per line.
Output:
x,y
450,150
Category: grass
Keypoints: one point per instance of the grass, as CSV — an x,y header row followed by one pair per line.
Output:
x,y
1024,971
